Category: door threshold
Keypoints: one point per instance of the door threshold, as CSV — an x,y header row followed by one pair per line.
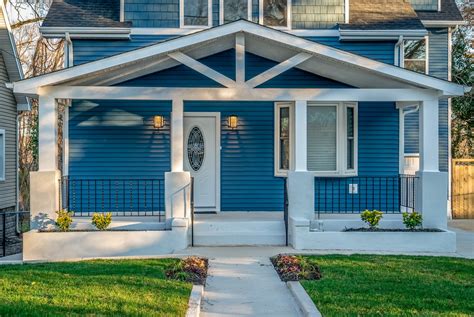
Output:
x,y
205,212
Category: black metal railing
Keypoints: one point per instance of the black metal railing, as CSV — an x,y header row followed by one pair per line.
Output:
x,y
12,225
119,196
390,194
192,211
285,207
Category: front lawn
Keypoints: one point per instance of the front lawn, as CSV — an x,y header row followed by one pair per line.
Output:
x,y
371,285
100,287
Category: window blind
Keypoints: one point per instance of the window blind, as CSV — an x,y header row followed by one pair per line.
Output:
x,y
322,138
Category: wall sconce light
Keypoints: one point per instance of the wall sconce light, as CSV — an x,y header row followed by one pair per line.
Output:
x,y
158,122
232,121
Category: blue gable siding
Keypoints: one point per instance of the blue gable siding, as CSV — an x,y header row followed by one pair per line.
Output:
x,y
91,50
116,139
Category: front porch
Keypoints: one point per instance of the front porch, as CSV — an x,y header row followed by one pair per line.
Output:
x,y
143,124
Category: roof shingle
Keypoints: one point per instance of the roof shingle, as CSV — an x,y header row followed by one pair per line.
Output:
x,y
449,12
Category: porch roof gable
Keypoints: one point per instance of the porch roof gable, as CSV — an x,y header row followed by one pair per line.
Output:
x,y
318,58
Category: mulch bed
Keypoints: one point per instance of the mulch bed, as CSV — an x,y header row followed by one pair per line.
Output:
x,y
192,270
295,268
390,230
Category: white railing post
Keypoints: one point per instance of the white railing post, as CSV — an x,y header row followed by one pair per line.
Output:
x,y
432,193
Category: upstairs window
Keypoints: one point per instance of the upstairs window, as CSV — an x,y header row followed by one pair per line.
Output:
x,y
416,55
275,13
195,13
332,138
2,155
232,10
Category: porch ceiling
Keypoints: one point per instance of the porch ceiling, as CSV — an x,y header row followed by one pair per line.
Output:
x,y
272,44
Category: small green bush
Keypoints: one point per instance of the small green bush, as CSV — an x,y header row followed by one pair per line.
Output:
x,y
411,220
372,218
101,221
64,219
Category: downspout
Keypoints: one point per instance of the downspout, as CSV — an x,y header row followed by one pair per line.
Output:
x,y
68,48
398,45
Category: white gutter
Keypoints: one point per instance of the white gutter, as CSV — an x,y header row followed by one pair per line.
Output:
x,y
398,45
86,32
434,23
364,35
68,51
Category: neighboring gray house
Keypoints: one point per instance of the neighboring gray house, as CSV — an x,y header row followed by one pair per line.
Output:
x,y
10,70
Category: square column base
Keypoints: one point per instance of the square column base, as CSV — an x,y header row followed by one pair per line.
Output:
x,y
44,198
301,195
432,199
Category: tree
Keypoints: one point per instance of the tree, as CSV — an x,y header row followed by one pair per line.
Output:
x,y
37,56
462,136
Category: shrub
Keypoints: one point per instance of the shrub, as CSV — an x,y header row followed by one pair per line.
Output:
x,y
295,268
372,218
411,220
64,219
101,221
192,269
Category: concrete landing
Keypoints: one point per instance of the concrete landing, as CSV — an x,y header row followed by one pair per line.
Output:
x,y
239,229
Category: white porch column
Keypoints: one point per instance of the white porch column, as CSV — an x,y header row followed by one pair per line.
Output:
x,y
44,184
300,135
432,184
177,182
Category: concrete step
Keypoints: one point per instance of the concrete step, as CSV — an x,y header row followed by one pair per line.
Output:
x,y
239,226
239,239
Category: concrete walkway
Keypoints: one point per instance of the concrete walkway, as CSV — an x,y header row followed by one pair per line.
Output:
x,y
242,282
464,236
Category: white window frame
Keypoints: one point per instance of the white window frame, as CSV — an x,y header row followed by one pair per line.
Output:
x,y
288,18
427,53
278,105
221,11
341,139
181,17
3,152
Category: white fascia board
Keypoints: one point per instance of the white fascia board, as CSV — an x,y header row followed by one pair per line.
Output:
x,y
381,34
30,86
434,23
86,32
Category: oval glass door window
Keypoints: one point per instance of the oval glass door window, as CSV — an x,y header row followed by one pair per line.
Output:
x,y
195,148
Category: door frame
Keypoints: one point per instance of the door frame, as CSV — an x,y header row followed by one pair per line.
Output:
x,y
217,116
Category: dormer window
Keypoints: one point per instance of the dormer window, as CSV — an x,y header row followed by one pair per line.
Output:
x,y
196,13
275,13
415,55
232,10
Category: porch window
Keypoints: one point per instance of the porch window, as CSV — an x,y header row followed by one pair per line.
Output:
x,y
2,155
275,13
195,13
332,138
284,126
415,55
232,10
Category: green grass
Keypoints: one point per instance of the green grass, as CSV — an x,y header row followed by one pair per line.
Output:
x,y
101,287
370,285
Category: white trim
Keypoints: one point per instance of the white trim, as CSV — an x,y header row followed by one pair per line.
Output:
x,y
449,89
427,53
47,139
221,11
346,11
300,136
450,166
288,17
122,10
278,105
439,5
202,69
217,116
429,135
240,58
181,16
278,69
177,136
66,139
341,139
86,32
3,157
401,141
239,93
381,34
435,23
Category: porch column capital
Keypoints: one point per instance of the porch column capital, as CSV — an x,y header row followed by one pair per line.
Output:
x,y
47,134
300,136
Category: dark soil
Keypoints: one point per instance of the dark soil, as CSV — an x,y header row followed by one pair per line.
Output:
x,y
295,268
192,270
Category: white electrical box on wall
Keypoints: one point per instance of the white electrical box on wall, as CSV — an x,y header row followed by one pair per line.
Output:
x,y
353,188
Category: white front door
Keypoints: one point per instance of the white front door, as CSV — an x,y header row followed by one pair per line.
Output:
x,y
202,158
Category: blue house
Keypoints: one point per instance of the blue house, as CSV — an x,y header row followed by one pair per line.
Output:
x,y
230,106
